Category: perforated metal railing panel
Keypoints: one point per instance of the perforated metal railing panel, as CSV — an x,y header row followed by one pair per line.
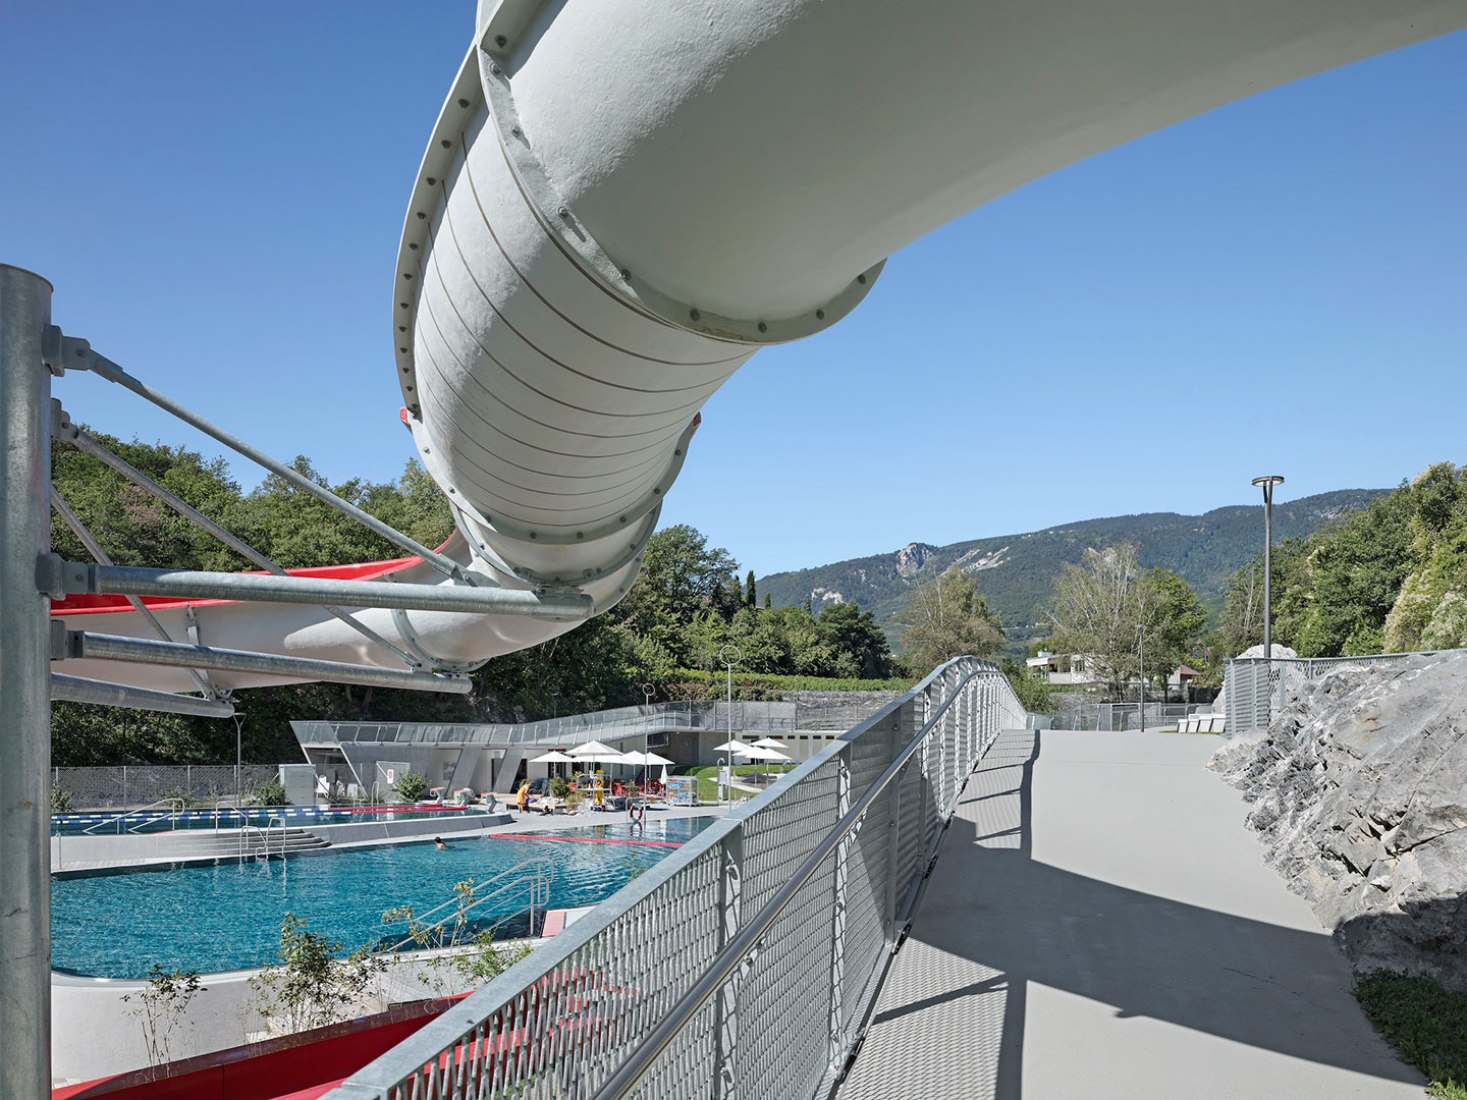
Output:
x,y
741,967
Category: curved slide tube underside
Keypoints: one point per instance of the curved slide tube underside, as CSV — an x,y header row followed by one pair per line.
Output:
x,y
622,200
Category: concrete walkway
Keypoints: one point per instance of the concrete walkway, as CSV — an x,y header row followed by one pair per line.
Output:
x,y
1099,925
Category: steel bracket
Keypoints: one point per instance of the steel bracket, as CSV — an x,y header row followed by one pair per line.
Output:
x,y
61,353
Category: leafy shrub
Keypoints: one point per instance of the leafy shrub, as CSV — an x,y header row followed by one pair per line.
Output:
x,y
559,788
311,987
60,801
269,793
753,686
411,786
162,1005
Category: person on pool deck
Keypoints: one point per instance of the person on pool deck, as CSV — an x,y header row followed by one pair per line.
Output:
x,y
524,795
438,843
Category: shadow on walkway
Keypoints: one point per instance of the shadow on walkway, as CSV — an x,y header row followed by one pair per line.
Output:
x,y
994,921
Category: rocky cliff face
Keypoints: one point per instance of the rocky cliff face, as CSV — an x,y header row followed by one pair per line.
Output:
x,y
1359,792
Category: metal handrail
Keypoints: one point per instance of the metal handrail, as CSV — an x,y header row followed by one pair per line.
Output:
x,y
177,804
527,1013
264,853
747,939
535,881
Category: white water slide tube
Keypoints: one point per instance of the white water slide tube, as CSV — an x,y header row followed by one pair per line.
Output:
x,y
624,199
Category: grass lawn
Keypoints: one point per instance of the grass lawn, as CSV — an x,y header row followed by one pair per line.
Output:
x,y
1423,1021
708,779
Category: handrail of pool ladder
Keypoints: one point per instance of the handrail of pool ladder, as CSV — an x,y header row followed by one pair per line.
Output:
x,y
176,803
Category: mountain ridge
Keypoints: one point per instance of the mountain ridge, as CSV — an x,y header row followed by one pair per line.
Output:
x,y
1016,572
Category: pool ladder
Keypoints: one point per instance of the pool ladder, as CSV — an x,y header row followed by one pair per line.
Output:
x,y
448,924
261,854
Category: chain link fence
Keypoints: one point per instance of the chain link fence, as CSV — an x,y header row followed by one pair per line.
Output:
x,y
1118,717
132,786
1257,688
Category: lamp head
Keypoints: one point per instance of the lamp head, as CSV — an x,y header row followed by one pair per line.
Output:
x,y
1271,479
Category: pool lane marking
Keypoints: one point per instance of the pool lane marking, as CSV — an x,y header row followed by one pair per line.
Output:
x,y
585,839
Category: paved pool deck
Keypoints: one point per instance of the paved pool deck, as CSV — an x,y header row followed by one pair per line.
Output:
x,y
1100,924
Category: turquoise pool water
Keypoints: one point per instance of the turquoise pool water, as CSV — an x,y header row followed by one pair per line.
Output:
x,y
227,916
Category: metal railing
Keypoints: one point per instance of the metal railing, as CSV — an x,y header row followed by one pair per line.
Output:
x,y
621,723
744,964
137,784
446,924
247,851
1118,717
1256,688
174,808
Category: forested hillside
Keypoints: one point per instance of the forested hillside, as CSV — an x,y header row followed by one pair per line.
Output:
x,y
1390,578
1016,573
687,604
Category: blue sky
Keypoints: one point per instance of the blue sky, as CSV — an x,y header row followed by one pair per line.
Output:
x,y
216,192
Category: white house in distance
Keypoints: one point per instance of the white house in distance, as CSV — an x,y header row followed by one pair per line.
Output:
x,y
1075,670
1062,669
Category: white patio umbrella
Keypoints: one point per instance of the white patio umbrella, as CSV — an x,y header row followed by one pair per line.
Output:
x,y
554,756
758,752
731,746
596,752
644,758
774,743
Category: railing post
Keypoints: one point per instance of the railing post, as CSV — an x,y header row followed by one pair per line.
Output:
x,y
837,1044
726,1022
894,830
25,685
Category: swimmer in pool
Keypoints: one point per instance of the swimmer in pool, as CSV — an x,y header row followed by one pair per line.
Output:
x,y
438,843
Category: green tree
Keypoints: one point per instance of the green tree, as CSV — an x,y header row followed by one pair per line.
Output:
x,y
682,578
947,618
860,644
751,595
1097,611
1174,620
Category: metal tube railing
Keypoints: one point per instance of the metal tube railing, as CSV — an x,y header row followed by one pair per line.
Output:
x,y
737,950
794,901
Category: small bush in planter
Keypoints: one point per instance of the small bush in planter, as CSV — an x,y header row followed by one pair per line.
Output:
x,y
411,786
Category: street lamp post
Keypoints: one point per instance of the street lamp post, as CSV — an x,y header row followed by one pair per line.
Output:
x,y
730,655
1267,483
238,759
648,691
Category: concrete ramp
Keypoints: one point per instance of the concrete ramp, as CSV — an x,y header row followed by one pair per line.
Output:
x,y
1100,924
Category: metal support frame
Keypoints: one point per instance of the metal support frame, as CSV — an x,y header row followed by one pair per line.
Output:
x,y
25,687
78,689
79,529
63,428
77,354
110,647
79,577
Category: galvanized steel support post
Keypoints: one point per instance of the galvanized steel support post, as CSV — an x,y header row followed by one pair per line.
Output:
x,y
726,1022
837,1043
25,687
894,834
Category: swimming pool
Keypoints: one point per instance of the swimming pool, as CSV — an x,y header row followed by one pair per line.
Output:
x,y
227,916
158,821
